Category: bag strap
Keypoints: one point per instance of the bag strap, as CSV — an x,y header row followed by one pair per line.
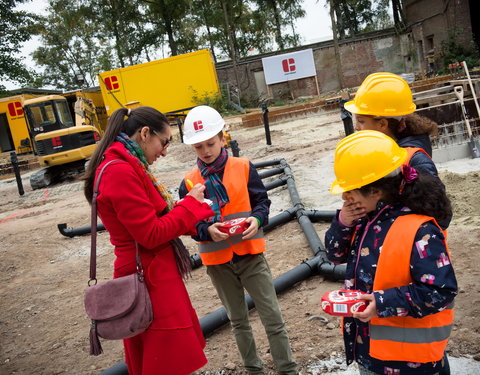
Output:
x,y
93,224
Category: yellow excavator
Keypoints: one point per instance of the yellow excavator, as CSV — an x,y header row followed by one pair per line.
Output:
x,y
62,145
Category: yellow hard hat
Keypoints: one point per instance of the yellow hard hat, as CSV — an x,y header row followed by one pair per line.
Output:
x,y
364,157
382,94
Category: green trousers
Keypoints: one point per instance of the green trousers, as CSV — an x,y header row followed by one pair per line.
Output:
x,y
253,274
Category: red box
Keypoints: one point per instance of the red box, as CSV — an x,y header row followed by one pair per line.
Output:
x,y
234,226
343,302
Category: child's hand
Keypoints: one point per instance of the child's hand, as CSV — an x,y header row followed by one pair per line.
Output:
x,y
197,192
252,229
371,310
215,233
350,213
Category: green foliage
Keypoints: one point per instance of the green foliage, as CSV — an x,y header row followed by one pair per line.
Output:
x,y
357,16
210,98
71,45
16,27
453,51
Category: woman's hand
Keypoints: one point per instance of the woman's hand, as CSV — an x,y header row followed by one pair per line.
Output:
x,y
350,213
215,233
252,228
371,310
197,192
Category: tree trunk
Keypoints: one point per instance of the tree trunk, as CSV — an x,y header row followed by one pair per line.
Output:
x,y
338,61
231,42
168,27
278,25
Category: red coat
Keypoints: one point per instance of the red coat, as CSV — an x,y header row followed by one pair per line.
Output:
x,y
130,206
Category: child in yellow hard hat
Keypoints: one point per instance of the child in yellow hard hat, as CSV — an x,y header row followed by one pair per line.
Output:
x,y
384,102
387,233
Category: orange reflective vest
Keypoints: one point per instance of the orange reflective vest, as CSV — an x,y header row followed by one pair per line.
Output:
x,y
406,338
411,151
235,180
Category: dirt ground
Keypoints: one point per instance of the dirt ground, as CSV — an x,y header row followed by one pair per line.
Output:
x,y
44,329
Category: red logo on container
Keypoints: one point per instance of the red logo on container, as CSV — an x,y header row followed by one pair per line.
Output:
x,y
288,65
112,83
56,141
197,125
15,109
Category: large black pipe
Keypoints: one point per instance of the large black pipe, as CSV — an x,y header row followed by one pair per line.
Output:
x,y
79,231
275,183
270,172
281,218
267,163
318,215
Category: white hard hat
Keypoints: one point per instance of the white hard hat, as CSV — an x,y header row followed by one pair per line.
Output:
x,y
202,123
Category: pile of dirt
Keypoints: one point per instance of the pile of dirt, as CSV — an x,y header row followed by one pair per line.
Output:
x,y
43,274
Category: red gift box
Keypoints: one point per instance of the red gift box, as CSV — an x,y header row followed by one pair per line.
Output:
x,y
234,226
343,302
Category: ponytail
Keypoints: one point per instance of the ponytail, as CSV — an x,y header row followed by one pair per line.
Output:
x,y
127,121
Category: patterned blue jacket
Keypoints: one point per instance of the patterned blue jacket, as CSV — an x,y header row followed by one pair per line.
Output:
x,y
434,285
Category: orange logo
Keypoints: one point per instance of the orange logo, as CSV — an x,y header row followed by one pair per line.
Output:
x,y
15,109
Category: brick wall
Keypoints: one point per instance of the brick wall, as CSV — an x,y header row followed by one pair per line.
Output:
x,y
359,56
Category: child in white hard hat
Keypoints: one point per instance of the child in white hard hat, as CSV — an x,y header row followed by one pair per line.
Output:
x,y
235,263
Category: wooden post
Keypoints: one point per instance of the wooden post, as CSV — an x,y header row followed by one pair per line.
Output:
x,y
268,92
316,83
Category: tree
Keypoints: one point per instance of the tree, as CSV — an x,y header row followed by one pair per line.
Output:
x,y
71,46
278,13
125,24
168,17
356,16
16,27
338,61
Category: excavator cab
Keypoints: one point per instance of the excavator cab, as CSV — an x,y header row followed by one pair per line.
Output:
x,y
62,148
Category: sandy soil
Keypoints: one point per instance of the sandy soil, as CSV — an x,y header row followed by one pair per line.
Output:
x,y
44,328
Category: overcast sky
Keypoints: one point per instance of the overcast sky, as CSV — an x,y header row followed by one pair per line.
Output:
x,y
314,27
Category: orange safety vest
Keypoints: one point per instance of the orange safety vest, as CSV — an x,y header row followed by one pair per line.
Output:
x,y
235,180
411,151
406,338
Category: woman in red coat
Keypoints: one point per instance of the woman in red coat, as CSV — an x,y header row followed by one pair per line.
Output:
x,y
134,207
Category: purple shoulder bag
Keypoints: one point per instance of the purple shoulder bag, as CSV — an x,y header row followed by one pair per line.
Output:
x,y
119,308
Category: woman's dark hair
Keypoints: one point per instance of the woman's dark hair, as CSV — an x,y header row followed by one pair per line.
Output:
x,y
424,196
122,121
414,125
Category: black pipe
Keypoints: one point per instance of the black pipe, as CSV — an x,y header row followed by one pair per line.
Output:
x,y
195,261
346,117
235,148
275,183
266,124
317,215
179,124
270,172
16,170
79,231
267,163
281,218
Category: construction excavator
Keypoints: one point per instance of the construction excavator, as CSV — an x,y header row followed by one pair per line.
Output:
x,y
62,144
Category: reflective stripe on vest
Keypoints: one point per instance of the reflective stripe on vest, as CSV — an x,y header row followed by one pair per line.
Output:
x,y
235,180
406,338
